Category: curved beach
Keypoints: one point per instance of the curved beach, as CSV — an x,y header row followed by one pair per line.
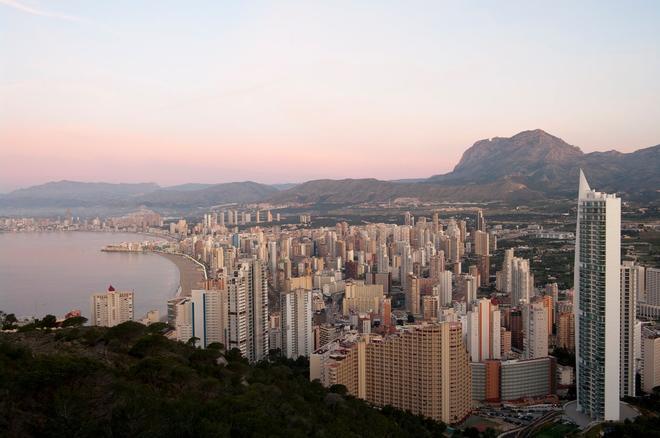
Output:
x,y
191,274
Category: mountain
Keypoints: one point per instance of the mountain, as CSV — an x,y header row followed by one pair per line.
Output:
x,y
284,186
356,191
235,192
87,199
75,194
547,165
189,187
531,165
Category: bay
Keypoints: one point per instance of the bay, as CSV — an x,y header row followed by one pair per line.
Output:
x,y
55,272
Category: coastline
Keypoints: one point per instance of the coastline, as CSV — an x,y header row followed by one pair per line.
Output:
x,y
191,275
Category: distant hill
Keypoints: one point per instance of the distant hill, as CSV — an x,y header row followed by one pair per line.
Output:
x,y
531,165
105,198
355,191
239,192
74,194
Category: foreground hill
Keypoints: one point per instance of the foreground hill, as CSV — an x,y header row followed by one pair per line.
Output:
x,y
131,381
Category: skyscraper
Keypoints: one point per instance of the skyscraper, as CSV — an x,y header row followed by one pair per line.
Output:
x,y
443,288
203,315
535,327
597,302
522,281
297,339
248,309
484,331
412,294
257,309
628,319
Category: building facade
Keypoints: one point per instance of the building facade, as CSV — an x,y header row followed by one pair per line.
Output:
x,y
597,302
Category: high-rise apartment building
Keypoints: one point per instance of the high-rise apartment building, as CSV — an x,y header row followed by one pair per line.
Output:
x,y
248,309
423,368
566,330
443,288
481,247
484,331
628,320
507,266
361,298
412,294
296,313
210,316
535,328
650,367
522,281
652,294
111,308
597,302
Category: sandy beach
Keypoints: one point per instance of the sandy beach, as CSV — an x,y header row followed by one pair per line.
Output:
x,y
191,274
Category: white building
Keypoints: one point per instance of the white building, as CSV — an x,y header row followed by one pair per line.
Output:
x,y
443,288
597,302
535,330
484,331
297,336
111,308
210,316
522,281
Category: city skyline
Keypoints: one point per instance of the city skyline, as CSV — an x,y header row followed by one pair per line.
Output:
x,y
307,91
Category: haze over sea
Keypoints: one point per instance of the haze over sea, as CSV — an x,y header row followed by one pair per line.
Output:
x,y
55,272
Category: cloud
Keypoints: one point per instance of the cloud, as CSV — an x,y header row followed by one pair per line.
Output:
x,y
39,12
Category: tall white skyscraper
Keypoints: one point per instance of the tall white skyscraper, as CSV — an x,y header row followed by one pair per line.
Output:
x,y
111,308
297,336
522,281
248,309
238,313
597,302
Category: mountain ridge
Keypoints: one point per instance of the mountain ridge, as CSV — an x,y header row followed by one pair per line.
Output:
x,y
529,165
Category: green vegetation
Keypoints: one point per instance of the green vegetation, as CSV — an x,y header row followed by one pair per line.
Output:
x,y
646,425
557,430
130,380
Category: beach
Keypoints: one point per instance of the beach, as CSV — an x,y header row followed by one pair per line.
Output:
x,y
191,274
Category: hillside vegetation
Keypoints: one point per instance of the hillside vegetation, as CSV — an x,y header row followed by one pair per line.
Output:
x,y
130,380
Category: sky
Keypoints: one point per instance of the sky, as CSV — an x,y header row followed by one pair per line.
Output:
x,y
214,91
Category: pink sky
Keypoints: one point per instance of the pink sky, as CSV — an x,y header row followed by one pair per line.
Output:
x,y
287,92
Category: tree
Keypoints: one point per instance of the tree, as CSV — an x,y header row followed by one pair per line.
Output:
x,y
49,321
74,321
9,321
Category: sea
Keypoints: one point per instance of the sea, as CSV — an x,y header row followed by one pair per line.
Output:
x,y
56,272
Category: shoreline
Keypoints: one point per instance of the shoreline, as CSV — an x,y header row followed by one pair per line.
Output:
x,y
191,275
